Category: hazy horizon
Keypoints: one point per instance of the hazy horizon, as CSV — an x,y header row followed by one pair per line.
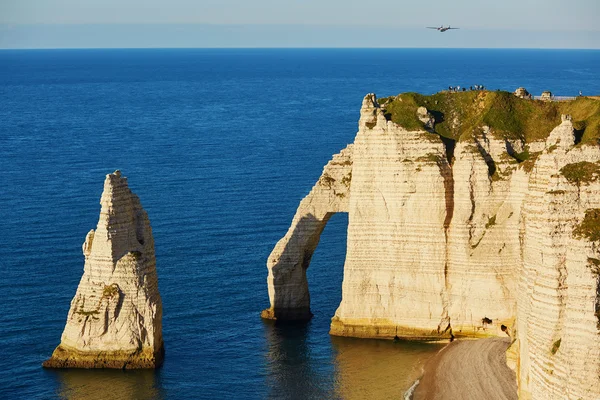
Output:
x,y
51,36
558,24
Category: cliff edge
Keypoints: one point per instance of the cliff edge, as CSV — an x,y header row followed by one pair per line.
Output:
x,y
471,214
115,319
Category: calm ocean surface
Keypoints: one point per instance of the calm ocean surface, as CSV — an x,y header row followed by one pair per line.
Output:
x,y
220,145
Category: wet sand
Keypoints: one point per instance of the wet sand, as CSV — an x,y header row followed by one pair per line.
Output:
x,y
469,369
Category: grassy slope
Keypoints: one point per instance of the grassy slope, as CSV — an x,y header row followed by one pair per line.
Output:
x,y
460,114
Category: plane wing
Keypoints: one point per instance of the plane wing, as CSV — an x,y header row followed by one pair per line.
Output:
x,y
453,28
432,27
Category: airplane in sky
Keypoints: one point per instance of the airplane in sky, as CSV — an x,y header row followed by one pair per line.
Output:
x,y
441,28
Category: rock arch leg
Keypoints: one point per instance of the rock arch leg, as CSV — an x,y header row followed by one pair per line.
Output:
x,y
288,288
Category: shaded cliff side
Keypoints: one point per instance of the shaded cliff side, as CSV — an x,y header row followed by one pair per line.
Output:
x,y
470,214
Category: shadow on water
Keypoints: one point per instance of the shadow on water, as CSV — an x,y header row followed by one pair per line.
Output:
x,y
292,371
99,384
353,369
303,361
378,369
298,356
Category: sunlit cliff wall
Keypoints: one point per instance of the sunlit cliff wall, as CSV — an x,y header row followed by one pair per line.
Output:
x,y
470,214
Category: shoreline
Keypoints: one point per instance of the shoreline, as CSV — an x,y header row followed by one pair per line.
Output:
x,y
410,392
467,369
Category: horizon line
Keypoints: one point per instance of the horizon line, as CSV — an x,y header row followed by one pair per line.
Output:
x,y
322,25
300,48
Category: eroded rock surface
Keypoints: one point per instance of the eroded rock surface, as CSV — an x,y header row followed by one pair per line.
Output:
x,y
559,288
115,319
483,232
287,264
394,280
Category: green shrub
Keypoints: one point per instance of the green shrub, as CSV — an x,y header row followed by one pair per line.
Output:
x,y
589,228
581,173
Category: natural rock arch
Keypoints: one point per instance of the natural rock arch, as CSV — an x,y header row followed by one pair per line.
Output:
x,y
446,242
288,288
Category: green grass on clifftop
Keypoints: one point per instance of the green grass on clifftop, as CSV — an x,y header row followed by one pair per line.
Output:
x,y
459,115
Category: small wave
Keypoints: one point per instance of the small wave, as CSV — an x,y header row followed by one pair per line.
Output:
x,y
409,393
579,71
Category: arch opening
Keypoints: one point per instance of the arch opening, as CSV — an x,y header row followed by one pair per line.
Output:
x,y
326,275
288,265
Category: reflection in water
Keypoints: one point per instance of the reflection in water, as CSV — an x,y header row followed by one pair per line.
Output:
x,y
102,384
294,371
378,369
303,363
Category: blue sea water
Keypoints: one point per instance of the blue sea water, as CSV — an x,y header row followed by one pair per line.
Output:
x,y
220,145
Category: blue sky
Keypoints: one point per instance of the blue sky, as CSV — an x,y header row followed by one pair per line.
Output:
x,y
298,23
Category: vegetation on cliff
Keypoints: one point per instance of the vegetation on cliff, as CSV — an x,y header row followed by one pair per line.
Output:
x,y
459,115
582,172
589,228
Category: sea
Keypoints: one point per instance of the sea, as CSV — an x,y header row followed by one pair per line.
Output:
x,y
220,145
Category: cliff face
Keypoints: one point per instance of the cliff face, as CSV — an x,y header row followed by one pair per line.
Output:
x,y
394,282
559,290
115,316
463,220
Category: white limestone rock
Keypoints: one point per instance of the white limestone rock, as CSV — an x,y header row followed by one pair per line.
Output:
x,y
482,246
287,264
426,118
522,93
115,320
558,324
394,271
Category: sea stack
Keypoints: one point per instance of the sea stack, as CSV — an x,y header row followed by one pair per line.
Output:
x,y
115,320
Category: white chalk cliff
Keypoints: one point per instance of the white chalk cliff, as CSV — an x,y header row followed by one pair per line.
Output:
x,y
558,319
115,320
288,287
461,238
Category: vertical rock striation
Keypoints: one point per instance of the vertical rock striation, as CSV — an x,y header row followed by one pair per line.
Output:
x,y
483,236
559,290
287,264
115,319
486,225
394,282
431,245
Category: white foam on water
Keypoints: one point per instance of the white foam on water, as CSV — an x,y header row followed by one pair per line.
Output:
x,y
409,393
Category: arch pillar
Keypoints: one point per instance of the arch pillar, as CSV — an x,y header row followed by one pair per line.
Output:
x,y
287,284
